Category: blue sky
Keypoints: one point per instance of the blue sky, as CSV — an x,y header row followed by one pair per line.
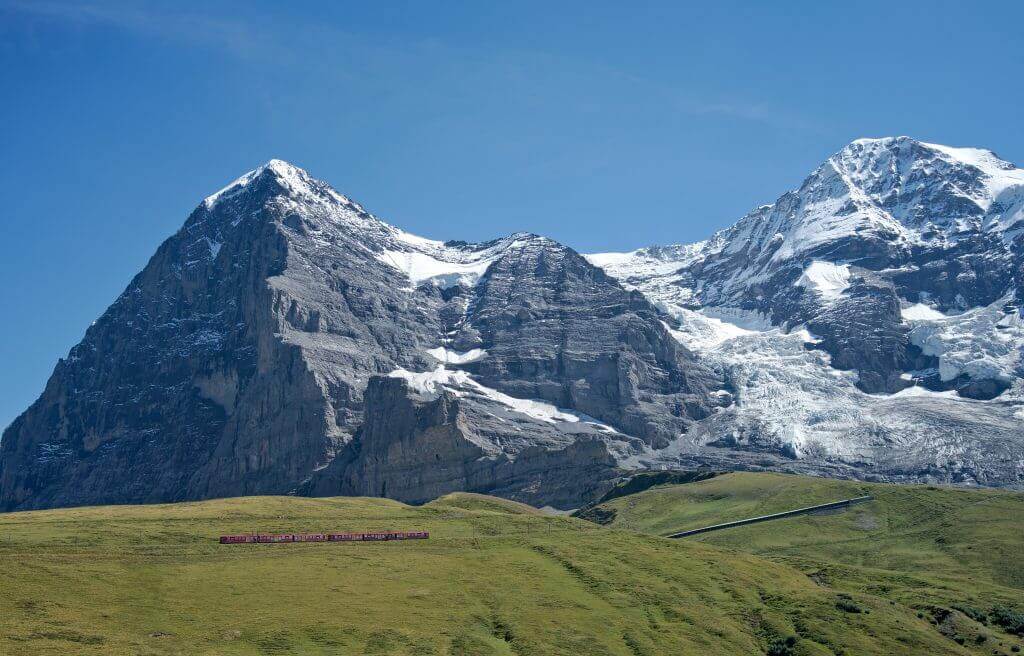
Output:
x,y
606,125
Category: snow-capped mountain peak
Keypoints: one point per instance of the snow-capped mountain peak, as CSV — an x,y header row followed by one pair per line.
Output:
x,y
888,195
292,177
886,285
916,183
296,188
330,217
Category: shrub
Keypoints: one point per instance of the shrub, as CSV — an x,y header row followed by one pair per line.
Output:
x,y
782,647
846,604
974,613
1010,620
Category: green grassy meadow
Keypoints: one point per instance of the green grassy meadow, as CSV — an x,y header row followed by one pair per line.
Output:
x,y
949,553
497,577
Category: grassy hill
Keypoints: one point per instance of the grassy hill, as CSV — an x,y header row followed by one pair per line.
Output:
x,y
497,577
952,554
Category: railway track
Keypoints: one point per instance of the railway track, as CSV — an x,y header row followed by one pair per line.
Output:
x,y
824,507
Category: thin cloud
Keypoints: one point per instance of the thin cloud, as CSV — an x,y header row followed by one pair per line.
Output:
x,y
234,37
739,110
293,43
758,112
755,112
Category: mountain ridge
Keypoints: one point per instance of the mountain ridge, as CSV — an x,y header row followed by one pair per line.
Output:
x,y
236,362
239,360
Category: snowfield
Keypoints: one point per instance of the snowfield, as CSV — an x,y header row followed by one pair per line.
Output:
x,y
448,356
789,399
460,383
983,343
828,279
442,264
920,312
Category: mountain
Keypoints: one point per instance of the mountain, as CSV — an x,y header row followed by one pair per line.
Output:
x,y
286,341
867,319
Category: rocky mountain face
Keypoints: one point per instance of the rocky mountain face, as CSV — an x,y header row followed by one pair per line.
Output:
x,y
432,433
261,352
285,341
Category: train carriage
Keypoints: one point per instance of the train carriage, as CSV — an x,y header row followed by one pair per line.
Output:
x,y
276,538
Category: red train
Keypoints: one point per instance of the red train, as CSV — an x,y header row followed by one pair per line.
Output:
x,y
271,538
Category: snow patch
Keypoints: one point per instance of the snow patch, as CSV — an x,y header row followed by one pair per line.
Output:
x,y
430,383
214,247
917,390
421,267
647,262
448,356
999,175
710,327
921,312
444,264
828,279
